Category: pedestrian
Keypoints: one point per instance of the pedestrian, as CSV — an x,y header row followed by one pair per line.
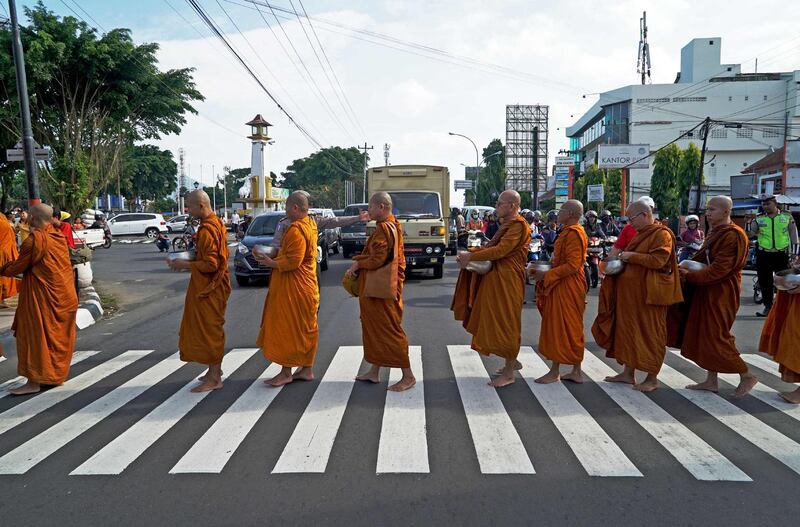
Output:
x,y
461,227
235,221
78,225
701,325
289,332
632,312
60,222
560,297
162,242
201,337
777,237
491,225
381,271
44,324
490,305
8,253
780,337
23,229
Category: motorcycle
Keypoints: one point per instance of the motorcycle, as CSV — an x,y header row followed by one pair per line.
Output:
x,y
750,265
535,249
688,250
106,238
594,253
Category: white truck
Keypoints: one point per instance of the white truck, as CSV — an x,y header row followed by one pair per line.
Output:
x,y
421,203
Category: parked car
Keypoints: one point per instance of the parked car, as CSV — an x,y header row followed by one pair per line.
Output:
x,y
177,223
261,231
354,237
331,235
137,223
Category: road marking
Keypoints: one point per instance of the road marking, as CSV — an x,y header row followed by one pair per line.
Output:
x,y
128,446
310,446
148,241
19,381
593,447
26,456
2,359
44,400
757,432
403,445
214,449
768,365
697,456
760,391
497,443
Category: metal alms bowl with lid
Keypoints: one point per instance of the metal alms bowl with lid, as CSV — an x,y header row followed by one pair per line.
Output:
x,y
478,267
183,255
787,279
692,265
265,250
611,266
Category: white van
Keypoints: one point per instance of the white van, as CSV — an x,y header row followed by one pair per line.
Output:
x,y
137,223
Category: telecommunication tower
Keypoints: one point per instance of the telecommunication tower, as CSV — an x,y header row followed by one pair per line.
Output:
x,y
643,64
386,147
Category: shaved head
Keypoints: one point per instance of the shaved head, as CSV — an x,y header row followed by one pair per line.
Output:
x,y
574,206
507,206
380,206
570,212
510,195
382,198
198,197
638,207
718,211
40,215
198,205
300,198
723,202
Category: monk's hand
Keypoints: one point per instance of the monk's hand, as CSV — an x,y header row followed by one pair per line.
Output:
x,y
352,271
363,215
464,258
177,265
538,276
266,260
625,255
683,271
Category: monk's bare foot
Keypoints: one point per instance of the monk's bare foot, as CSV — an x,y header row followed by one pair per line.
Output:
x,y
403,384
791,397
646,386
573,376
203,377
502,380
369,377
627,378
517,366
208,385
548,378
746,384
279,380
709,386
303,374
25,389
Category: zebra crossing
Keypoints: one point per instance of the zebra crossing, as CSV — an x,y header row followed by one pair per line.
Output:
x,y
403,445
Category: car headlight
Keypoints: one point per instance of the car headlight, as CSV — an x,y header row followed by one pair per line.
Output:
x,y
242,249
437,250
428,250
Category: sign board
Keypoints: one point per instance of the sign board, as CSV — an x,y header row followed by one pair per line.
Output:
x,y
623,156
278,193
693,197
595,193
18,154
564,161
463,184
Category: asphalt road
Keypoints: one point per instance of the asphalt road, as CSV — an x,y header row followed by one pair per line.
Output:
x,y
92,453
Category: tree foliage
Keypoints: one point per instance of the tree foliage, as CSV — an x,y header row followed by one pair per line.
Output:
x,y
664,182
687,176
324,173
613,191
492,177
148,173
92,98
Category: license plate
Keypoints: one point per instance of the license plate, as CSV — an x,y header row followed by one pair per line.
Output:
x,y
434,260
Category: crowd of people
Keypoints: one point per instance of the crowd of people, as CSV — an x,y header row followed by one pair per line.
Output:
x,y
652,304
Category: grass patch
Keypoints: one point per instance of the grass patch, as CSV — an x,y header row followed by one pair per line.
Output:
x,y
109,302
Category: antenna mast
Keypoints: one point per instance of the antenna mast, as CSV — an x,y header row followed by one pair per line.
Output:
x,y
643,63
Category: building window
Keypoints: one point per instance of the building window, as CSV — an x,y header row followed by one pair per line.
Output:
x,y
689,99
746,97
729,69
730,99
765,97
652,99
719,133
770,133
710,42
744,132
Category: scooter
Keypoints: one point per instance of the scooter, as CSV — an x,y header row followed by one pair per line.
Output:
x,y
106,238
535,249
688,250
594,254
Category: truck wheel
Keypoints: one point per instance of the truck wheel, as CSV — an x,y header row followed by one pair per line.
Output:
x,y
438,271
242,281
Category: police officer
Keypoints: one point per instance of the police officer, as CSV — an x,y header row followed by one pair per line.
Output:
x,y
777,237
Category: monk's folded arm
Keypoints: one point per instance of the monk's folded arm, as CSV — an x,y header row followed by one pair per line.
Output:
x,y
725,261
207,255
379,251
508,243
572,265
292,250
657,258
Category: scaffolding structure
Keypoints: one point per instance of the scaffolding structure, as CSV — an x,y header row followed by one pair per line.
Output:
x,y
526,149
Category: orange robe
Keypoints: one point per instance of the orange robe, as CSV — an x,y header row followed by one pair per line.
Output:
x,y
701,325
202,332
490,305
631,323
781,335
385,341
8,253
561,299
289,331
44,323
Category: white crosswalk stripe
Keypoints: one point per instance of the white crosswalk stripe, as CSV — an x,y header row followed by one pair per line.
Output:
x,y
125,448
403,445
760,391
497,443
310,445
595,450
697,456
763,363
10,384
42,401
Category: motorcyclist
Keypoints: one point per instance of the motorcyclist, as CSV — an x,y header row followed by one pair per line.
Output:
x,y
475,223
550,232
536,226
593,227
607,222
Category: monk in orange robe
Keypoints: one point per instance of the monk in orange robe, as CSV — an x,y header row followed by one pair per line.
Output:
x,y
44,323
490,305
631,323
561,298
781,337
701,325
202,333
385,341
289,331
8,253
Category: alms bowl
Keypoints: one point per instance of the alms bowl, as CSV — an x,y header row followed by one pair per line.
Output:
x,y
611,266
265,250
183,255
787,279
692,265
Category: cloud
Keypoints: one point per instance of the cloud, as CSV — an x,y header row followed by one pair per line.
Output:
x,y
410,99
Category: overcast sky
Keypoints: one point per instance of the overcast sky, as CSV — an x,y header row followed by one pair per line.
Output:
x,y
558,51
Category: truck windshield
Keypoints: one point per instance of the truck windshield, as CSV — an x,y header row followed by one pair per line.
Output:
x,y
264,225
415,205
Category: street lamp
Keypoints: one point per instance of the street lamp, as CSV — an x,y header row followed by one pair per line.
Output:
x,y
196,185
477,163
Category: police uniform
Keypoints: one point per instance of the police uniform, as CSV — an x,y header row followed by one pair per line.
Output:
x,y
774,244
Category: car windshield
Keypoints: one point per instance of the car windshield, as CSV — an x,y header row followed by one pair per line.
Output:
x,y
264,225
415,204
360,226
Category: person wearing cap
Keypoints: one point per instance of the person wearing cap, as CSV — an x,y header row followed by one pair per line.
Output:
x,y
60,223
607,222
777,237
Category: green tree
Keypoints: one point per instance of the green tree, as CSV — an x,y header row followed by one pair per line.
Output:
x,y
92,98
579,189
613,191
492,177
149,173
664,182
164,204
323,174
687,176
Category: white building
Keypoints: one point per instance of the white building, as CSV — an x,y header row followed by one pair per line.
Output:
x,y
656,114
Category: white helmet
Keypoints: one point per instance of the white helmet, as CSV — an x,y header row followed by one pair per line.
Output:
x,y
649,201
692,217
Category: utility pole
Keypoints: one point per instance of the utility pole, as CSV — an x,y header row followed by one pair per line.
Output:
x,y
181,180
225,171
364,190
643,64
704,130
24,108
214,179
386,147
